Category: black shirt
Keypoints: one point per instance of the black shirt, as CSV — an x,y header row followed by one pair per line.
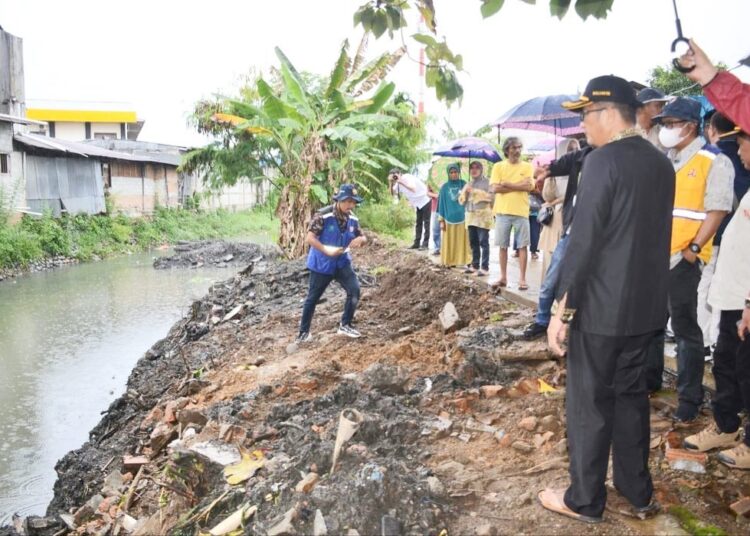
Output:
x,y
616,265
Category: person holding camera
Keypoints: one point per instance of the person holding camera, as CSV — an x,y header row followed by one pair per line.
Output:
x,y
332,232
415,191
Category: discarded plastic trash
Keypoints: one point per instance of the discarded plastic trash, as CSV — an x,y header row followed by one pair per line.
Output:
x,y
247,467
544,387
234,521
349,422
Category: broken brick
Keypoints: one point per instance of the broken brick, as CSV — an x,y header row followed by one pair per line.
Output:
x,y
685,460
308,483
307,384
492,391
741,507
462,404
133,463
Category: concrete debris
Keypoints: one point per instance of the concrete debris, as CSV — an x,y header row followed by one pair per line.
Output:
x,y
522,446
319,524
449,319
528,423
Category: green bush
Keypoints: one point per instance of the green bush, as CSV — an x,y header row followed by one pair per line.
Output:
x,y
52,237
387,218
18,247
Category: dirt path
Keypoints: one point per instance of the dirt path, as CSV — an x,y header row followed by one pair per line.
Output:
x,y
456,435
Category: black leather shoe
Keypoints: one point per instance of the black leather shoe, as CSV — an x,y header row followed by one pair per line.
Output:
x,y
685,414
414,246
534,331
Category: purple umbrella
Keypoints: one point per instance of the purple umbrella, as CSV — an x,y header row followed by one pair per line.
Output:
x,y
544,114
469,148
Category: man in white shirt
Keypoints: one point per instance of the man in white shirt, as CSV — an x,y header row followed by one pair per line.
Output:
x,y
415,191
730,293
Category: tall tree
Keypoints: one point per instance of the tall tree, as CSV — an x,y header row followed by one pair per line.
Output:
x,y
672,82
315,138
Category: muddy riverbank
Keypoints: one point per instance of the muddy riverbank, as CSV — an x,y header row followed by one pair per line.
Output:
x,y
461,422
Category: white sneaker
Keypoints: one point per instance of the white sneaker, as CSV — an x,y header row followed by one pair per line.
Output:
x,y
304,337
349,331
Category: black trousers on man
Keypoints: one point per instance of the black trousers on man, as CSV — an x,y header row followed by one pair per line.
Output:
x,y
422,227
732,374
607,405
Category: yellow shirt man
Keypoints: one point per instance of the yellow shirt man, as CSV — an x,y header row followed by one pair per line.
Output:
x,y
512,203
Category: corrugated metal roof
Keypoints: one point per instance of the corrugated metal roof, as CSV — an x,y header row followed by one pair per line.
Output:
x,y
20,120
82,149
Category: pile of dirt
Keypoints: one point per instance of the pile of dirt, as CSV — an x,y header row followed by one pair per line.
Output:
x,y
218,253
458,432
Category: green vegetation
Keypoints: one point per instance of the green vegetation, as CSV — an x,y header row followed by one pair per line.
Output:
x,y
309,134
693,525
85,237
387,218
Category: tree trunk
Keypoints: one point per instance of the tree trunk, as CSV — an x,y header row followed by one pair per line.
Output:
x,y
294,212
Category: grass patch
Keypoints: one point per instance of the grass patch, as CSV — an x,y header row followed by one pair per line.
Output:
x,y
396,220
693,525
86,237
380,270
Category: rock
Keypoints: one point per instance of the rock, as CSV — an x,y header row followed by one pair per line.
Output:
x,y
492,391
442,427
485,530
462,404
162,434
541,439
522,446
128,523
133,463
390,526
307,384
308,483
87,510
292,348
562,447
386,379
449,319
319,524
505,440
191,416
528,423
284,526
475,426
550,423
227,258
172,407
435,487
450,467
112,484
525,498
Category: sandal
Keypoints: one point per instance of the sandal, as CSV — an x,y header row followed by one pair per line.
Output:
x,y
481,273
553,501
523,286
497,285
469,270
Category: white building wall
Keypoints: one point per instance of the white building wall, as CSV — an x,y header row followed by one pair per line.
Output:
x,y
70,131
106,128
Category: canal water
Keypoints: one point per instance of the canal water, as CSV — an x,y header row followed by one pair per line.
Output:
x,y
68,341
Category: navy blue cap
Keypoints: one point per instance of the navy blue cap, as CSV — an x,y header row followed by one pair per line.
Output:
x,y
347,191
681,108
649,94
608,88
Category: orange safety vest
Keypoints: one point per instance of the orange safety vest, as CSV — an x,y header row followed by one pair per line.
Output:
x,y
689,213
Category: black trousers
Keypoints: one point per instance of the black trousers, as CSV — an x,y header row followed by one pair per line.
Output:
x,y
683,309
422,227
732,373
607,406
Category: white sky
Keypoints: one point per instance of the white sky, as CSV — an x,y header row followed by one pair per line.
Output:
x,y
163,55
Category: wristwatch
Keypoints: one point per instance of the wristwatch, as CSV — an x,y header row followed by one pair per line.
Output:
x,y
695,248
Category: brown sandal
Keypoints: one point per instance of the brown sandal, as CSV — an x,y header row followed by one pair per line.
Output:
x,y
552,500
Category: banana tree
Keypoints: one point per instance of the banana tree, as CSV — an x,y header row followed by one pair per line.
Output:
x,y
315,140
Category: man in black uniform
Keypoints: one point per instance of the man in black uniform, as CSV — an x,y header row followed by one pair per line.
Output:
x,y
613,292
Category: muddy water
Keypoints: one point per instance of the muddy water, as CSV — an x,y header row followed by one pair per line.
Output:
x,y
68,341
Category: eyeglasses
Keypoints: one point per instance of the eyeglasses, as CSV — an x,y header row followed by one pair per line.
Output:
x,y
584,113
670,124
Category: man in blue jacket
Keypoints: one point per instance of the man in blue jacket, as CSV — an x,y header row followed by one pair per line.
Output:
x,y
332,232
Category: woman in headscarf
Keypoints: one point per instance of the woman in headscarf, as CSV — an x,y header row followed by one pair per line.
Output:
x,y
454,242
477,199
553,194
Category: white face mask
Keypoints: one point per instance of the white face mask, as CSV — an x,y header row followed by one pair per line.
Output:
x,y
670,137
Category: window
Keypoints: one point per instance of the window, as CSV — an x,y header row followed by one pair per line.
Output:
x,y
4,163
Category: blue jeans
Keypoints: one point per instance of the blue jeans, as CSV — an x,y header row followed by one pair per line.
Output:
x,y
318,284
435,231
549,285
479,239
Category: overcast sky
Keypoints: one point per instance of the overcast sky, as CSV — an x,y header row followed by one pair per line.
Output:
x,y
162,55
